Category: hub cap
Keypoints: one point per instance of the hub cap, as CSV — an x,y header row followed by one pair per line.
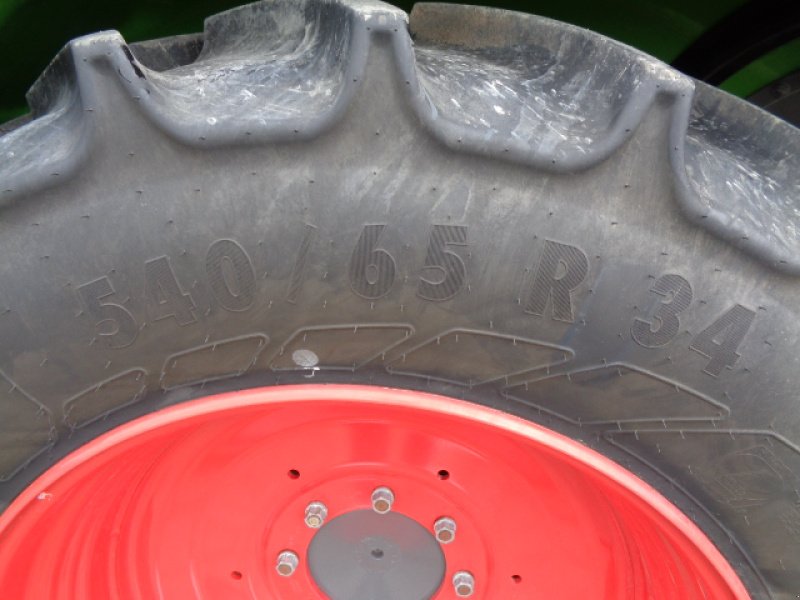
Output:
x,y
363,555
210,499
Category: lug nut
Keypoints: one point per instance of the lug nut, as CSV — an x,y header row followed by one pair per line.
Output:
x,y
287,563
382,500
316,513
445,530
464,584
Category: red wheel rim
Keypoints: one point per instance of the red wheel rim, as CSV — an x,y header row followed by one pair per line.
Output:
x,y
199,500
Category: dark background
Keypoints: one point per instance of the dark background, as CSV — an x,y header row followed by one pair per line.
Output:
x,y
749,48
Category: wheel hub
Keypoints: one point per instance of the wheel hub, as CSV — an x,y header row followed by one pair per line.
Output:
x,y
276,493
363,555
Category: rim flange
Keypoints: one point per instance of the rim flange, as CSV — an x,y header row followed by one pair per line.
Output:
x,y
387,399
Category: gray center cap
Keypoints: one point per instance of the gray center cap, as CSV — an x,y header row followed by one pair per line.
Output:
x,y
363,555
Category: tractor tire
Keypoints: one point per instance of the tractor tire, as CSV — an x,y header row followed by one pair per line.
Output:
x,y
478,204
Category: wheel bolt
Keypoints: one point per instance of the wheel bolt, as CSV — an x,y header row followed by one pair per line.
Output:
x,y
287,563
445,530
382,500
316,513
464,584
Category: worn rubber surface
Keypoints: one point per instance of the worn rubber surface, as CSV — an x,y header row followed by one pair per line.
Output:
x,y
478,203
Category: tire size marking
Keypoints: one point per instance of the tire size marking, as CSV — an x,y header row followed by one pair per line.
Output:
x,y
718,342
299,270
444,273
561,269
372,269
666,321
721,340
231,276
114,322
164,296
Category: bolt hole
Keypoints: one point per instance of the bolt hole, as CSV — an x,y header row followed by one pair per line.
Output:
x,y
445,536
516,578
377,553
444,474
464,591
293,474
236,575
